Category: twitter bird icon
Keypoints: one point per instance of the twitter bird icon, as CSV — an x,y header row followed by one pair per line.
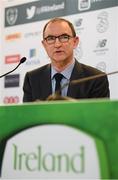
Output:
x,y
30,12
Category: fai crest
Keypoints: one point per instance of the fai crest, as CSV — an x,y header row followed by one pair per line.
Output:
x,y
11,16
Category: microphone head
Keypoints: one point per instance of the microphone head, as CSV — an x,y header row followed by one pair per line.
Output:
x,y
23,59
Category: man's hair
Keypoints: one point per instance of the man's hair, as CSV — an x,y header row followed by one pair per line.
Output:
x,y
57,19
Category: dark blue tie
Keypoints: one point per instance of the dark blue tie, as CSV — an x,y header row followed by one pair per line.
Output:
x,y
58,77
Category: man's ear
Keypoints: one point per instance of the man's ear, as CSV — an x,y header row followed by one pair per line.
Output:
x,y
76,41
43,43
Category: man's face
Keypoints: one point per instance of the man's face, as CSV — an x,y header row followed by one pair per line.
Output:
x,y
59,50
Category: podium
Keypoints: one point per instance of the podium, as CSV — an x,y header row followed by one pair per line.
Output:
x,y
59,139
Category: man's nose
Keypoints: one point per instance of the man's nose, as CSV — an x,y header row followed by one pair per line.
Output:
x,y
57,42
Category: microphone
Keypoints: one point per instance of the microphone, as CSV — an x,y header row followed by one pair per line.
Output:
x,y
77,81
57,96
22,60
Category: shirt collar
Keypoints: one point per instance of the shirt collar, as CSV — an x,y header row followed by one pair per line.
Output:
x,y
66,72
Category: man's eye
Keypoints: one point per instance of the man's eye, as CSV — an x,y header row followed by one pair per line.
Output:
x,y
50,38
64,37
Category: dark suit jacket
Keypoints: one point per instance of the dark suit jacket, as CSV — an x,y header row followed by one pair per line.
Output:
x,y
37,84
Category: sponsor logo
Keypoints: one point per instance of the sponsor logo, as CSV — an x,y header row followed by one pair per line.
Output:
x,y
102,43
13,36
11,100
33,60
32,34
78,22
101,48
12,80
59,151
12,59
84,4
103,22
11,15
78,25
32,53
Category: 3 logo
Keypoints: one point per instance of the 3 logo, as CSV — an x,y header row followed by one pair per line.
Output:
x,y
103,22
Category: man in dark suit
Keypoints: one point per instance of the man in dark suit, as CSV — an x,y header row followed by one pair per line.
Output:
x,y
59,41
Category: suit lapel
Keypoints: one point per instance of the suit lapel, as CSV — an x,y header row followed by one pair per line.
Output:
x,y
73,90
46,85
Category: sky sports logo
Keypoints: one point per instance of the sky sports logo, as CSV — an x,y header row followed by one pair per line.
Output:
x,y
12,81
12,59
